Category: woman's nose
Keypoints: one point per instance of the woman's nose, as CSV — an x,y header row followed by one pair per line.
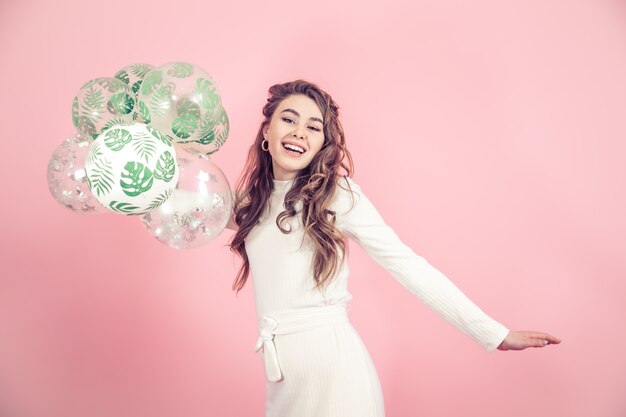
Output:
x,y
299,132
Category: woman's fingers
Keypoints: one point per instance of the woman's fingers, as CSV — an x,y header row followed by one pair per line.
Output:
x,y
518,340
544,338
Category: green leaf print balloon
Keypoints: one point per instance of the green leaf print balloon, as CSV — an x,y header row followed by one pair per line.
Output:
x,y
178,98
133,76
131,169
98,102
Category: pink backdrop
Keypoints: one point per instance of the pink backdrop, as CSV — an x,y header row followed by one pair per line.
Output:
x,y
490,135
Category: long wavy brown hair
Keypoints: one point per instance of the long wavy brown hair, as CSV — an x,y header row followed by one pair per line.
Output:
x,y
314,186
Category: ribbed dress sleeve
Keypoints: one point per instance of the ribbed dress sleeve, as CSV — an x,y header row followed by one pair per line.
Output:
x,y
360,220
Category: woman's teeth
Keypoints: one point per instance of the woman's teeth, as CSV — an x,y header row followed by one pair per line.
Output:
x,y
293,148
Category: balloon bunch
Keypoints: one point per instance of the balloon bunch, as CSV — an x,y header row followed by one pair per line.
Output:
x,y
141,147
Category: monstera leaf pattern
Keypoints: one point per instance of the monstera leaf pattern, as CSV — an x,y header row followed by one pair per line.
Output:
x,y
121,103
136,178
122,75
165,168
184,126
98,102
132,168
136,86
207,95
180,70
116,139
187,106
180,100
153,79
214,133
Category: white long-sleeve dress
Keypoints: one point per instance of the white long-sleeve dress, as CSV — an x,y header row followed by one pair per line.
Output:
x,y
315,362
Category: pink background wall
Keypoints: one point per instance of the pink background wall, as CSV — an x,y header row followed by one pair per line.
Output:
x,y
489,134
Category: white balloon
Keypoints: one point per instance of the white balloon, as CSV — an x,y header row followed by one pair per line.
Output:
x,y
131,168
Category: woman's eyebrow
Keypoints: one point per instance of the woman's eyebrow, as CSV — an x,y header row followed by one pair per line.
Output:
x,y
298,114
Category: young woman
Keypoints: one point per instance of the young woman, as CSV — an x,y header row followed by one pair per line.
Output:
x,y
295,205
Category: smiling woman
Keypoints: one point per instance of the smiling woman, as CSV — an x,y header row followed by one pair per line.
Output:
x,y
294,135
296,204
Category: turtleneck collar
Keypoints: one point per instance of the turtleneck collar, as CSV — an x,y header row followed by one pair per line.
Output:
x,y
282,186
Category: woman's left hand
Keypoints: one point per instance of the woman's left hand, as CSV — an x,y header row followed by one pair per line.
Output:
x,y
519,340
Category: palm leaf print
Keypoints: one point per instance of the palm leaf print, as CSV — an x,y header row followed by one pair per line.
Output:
x,y
160,199
94,153
165,168
180,70
167,140
221,129
206,130
140,70
89,84
136,179
116,122
75,111
87,127
160,100
122,207
93,104
101,177
144,146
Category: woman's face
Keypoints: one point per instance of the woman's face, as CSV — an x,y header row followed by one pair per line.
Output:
x,y
295,135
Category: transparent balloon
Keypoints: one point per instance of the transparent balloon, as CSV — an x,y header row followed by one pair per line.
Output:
x,y
182,100
213,141
200,207
67,179
133,76
100,104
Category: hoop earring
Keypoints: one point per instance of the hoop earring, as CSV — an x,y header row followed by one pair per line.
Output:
x,y
268,145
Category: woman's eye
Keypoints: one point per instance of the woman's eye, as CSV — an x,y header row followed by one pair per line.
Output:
x,y
314,128
286,119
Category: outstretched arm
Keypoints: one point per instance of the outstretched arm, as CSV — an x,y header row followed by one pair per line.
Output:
x,y
364,224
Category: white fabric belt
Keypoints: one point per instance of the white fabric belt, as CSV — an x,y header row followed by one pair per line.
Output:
x,y
293,321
